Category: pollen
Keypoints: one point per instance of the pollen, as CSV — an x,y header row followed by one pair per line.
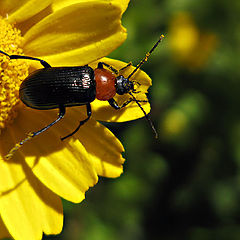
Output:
x,y
12,72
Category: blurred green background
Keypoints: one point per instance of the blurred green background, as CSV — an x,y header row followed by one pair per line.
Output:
x,y
186,184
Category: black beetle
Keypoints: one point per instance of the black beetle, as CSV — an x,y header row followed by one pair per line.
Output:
x,y
61,87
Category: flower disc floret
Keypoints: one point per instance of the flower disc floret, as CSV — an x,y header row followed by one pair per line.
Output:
x,y
12,73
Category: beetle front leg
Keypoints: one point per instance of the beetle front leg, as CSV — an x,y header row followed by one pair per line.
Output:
x,y
115,105
44,63
89,113
125,67
101,64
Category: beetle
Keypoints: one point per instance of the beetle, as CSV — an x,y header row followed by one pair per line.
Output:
x,y
61,87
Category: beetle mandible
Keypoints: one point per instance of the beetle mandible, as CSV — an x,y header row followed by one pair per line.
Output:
x,y
61,87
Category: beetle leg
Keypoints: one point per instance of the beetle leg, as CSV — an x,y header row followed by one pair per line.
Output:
x,y
44,63
101,64
89,113
33,134
115,105
61,114
128,65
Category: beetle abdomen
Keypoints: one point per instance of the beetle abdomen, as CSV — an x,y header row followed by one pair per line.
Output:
x,y
48,88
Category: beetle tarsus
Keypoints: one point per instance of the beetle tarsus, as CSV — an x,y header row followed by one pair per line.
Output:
x,y
33,134
18,145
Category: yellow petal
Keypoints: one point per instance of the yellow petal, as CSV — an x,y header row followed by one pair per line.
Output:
x,y
17,203
67,172
123,4
64,167
27,207
58,4
101,144
76,34
7,6
104,112
3,230
19,11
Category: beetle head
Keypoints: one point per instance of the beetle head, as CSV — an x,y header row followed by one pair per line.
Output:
x,y
123,85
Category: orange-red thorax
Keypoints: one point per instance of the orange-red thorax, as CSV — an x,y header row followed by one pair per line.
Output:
x,y
105,84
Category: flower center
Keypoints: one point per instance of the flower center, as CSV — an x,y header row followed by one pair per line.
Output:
x,y
12,72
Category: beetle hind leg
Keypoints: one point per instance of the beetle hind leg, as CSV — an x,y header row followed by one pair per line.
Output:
x,y
33,134
89,113
61,114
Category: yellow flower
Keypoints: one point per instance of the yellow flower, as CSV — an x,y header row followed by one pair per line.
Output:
x,y
63,33
189,45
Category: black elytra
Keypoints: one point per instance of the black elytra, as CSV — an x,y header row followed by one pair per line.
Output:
x,y
61,87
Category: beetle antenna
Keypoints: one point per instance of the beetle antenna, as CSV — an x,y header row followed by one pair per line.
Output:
x,y
146,57
134,71
146,116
